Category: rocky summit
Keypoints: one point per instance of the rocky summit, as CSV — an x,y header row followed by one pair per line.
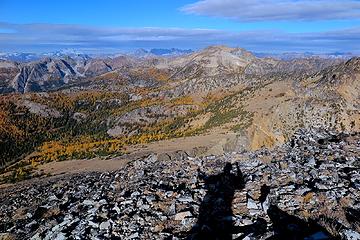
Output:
x,y
308,188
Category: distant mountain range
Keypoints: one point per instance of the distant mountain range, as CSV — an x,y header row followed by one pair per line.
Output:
x,y
216,66
169,52
161,52
28,57
296,55
19,57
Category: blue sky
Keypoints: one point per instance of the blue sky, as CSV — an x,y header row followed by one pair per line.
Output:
x,y
114,26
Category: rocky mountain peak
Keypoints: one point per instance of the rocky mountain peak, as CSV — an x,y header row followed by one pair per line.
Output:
x,y
219,48
214,60
225,52
47,72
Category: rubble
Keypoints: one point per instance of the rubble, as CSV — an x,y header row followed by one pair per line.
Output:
x,y
309,189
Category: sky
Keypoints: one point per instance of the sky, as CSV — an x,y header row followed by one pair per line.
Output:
x,y
110,26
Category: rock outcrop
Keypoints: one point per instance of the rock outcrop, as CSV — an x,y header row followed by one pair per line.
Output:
x,y
42,75
8,71
308,188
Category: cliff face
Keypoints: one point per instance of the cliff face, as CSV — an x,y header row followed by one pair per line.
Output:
x,y
43,75
8,71
51,73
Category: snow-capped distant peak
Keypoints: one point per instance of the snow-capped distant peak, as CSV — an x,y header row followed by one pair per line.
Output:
x,y
19,57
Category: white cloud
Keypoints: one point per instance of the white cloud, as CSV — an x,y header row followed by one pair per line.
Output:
x,y
44,37
275,10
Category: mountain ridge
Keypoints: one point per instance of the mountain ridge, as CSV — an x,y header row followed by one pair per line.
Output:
x,y
127,101
213,62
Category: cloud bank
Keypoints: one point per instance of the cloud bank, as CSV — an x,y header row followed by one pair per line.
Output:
x,y
275,10
50,37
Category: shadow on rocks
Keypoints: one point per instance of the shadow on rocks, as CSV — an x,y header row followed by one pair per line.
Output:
x,y
215,215
215,220
290,227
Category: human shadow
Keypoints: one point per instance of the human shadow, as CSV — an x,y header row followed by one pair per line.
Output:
x,y
286,226
215,219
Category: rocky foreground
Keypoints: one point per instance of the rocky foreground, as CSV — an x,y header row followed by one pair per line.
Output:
x,y
306,189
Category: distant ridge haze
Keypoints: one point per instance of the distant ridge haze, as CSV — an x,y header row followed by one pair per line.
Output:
x,y
164,52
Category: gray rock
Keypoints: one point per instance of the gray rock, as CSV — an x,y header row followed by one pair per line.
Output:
x,y
105,225
251,204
